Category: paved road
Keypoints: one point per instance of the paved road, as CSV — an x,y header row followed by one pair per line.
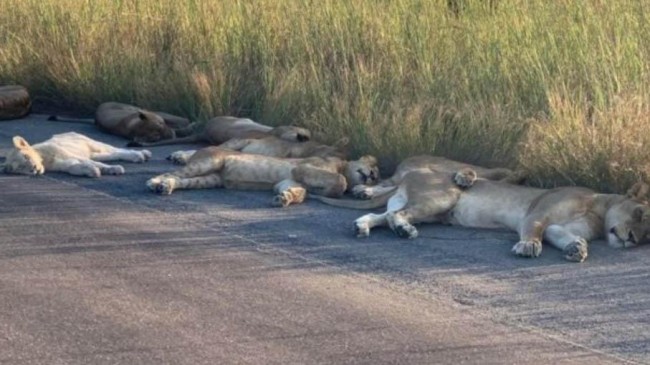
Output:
x,y
100,271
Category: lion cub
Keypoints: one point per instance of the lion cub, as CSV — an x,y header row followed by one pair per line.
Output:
x,y
71,152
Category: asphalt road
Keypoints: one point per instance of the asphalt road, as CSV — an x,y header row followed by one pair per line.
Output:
x,y
101,271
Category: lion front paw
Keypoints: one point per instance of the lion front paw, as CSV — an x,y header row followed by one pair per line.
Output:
x,y
146,154
282,200
178,158
406,231
465,178
162,185
532,248
361,229
362,192
576,251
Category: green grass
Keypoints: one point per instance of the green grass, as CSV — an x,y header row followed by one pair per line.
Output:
x,y
558,88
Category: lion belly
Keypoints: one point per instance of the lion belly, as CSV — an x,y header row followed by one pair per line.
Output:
x,y
242,173
490,204
67,145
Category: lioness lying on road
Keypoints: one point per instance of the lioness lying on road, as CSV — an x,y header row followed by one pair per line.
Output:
x,y
567,218
71,152
133,123
272,146
291,179
222,129
425,163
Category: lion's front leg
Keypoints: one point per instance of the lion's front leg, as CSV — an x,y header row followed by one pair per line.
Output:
x,y
530,237
573,245
288,192
167,183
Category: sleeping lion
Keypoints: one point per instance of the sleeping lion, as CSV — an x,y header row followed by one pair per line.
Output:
x,y
291,179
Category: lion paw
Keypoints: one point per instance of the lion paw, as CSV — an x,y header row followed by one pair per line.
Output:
x,y
362,192
465,178
147,154
178,158
93,171
532,248
576,251
162,185
361,230
282,200
113,170
406,231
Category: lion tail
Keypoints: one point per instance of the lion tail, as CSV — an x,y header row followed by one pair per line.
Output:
x,y
374,202
57,118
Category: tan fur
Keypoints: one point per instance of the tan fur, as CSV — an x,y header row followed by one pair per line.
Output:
x,y
14,102
131,122
222,129
566,217
215,167
271,146
71,152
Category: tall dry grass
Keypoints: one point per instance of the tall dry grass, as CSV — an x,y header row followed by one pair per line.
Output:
x,y
556,87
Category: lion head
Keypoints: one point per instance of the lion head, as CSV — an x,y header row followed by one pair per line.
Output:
x,y
363,171
150,127
23,159
627,223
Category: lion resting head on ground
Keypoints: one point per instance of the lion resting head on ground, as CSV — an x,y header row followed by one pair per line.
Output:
x,y
219,130
291,179
71,152
567,218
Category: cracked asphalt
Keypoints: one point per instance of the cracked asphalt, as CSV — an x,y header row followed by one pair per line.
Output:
x,y
101,271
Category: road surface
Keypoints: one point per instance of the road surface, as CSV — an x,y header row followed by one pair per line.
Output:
x,y
102,271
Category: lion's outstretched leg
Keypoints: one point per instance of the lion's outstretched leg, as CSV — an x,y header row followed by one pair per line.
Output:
x,y
320,182
122,154
568,239
368,192
167,183
288,192
200,168
530,237
181,157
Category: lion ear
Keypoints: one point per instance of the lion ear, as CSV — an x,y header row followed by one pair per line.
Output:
x,y
369,159
641,213
20,142
142,115
638,191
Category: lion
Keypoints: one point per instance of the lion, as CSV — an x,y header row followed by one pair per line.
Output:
x,y
219,130
567,217
272,146
70,152
133,123
290,179
430,163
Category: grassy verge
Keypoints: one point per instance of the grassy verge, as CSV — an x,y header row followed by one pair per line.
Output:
x,y
558,88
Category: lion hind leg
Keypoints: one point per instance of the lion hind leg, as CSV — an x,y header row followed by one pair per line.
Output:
x,y
320,182
121,154
288,192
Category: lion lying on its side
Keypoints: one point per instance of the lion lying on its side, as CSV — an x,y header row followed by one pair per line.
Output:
x,y
131,122
272,146
291,179
222,129
567,218
71,152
